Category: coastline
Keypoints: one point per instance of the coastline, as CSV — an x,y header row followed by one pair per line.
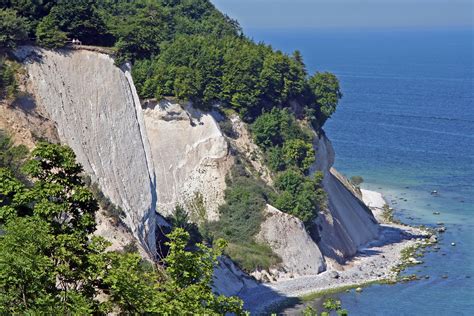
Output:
x,y
375,262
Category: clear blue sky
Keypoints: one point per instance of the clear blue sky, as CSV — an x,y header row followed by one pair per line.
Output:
x,y
349,13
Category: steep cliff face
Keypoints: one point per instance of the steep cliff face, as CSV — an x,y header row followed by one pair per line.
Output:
x,y
96,111
149,158
288,238
190,154
348,223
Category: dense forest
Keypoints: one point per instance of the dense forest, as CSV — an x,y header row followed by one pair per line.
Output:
x,y
188,50
181,48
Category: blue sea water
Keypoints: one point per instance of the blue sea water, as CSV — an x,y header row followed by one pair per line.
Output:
x,y
406,125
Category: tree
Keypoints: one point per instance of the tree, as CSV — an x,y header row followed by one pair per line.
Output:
x,y
58,201
140,35
25,271
299,153
49,35
13,28
300,196
326,90
80,19
60,269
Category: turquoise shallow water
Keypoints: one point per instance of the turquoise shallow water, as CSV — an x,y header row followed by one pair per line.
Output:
x,y
406,125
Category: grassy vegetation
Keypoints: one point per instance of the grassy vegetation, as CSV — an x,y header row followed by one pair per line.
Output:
x,y
240,220
340,289
252,255
388,215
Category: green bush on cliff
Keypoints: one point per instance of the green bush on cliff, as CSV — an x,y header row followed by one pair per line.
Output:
x,y
240,220
289,152
8,81
300,196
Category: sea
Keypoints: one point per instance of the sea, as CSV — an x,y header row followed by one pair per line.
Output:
x,y
406,125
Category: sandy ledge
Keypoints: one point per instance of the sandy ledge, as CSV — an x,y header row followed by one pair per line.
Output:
x,y
374,262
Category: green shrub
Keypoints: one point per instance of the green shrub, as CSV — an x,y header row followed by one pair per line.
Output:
x,y
240,219
8,82
357,180
12,157
275,159
300,196
252,256
273,128
180,219
299,153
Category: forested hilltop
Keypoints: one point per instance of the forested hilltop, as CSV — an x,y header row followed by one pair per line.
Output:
x,y
181,48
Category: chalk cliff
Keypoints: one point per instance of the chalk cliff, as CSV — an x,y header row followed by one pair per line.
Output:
x,y
96,111
288,238
149,157
348,223
190,154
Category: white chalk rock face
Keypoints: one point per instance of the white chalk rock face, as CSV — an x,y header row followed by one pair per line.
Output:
x,y
229,280
287,237
190,155
96,110
348,223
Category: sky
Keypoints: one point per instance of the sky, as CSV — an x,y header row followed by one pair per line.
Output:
x,y
349,13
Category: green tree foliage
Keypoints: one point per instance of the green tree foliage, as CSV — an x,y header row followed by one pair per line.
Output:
x,y
325,87
300,196
80,19
289,152
329,305
299,153
284,141
60,269
186,49
33,11
141,34
13,28
233,71
8,81
274,128
49,35
11,157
